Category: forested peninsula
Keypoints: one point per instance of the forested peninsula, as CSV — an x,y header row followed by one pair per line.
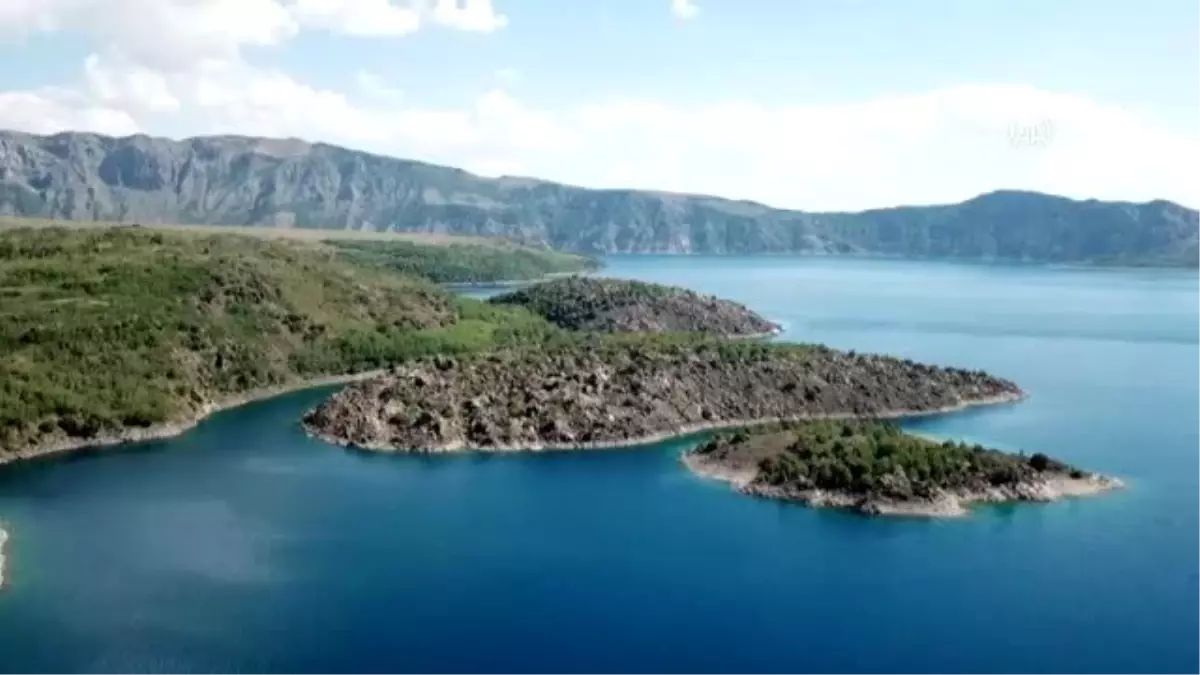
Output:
x,y
873,467
621,305
112,334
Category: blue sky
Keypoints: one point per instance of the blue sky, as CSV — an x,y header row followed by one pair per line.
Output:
x,y
820,105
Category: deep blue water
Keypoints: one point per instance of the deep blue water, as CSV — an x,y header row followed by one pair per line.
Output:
x,y
246,546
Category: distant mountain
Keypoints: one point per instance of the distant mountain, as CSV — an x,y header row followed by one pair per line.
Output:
x,y
291,183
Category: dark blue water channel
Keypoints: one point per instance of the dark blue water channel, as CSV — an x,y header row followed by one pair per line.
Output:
x,y
243,545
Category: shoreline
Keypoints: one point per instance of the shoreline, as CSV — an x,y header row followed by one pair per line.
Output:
x,y
679,432
509,283
3,547
948,504
171,429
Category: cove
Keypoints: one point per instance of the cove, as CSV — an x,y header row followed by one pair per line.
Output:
x,y
245,545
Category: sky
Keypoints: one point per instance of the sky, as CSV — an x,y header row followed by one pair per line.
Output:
x,y
808,104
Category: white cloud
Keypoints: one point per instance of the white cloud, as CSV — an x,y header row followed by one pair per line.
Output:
x,y
684,9
132,87
49,110
164,34
469,15
358,17
176,34
937,146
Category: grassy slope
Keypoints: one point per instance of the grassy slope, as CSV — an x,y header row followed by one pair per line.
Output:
x,y
108,328
465,262
438,257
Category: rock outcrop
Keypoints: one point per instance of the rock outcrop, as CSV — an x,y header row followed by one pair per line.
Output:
x,y
624,306
594,392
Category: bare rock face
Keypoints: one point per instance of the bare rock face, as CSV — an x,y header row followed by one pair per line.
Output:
x,y
237,180
626,306
602,393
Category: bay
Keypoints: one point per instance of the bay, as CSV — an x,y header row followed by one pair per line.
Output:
x,y
243,545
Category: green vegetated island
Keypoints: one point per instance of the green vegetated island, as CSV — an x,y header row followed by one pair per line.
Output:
x,y
290,183
875,468
619,305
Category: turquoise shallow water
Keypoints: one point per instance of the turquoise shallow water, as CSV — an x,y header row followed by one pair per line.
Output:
x,y
244,545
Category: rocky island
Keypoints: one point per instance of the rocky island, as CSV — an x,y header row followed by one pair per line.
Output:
x,y
590,390
873,467
621,305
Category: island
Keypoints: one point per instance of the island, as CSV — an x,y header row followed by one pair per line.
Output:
x,y
873,467
622,305
603,390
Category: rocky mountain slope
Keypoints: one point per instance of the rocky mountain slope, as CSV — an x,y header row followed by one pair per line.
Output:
x,y
606,390
273,182
624,306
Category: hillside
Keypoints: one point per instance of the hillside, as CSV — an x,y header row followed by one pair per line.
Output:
x,y
619,305
454,263
603,390
874,467
112,332
288,183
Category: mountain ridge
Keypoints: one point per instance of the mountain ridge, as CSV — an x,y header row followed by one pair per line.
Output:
x,y
246,180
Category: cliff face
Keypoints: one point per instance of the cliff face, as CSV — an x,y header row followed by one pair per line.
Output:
x,y
274,182
600,392
623,306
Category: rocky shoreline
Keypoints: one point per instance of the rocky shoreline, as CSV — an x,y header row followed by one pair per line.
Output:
x,y
3,551
662,436
64,444
591,397
948,504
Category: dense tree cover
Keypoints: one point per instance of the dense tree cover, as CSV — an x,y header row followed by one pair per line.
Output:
x,y
872,457
465,263
102,329
623,305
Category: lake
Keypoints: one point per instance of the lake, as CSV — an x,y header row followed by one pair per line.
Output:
x,y
243,545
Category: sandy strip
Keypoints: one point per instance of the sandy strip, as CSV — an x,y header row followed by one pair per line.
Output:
x,y
685,430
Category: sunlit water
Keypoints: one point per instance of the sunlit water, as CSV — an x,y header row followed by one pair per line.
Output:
x,y
244,545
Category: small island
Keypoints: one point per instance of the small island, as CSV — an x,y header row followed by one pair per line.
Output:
x,y
873,467
626,306
597,390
